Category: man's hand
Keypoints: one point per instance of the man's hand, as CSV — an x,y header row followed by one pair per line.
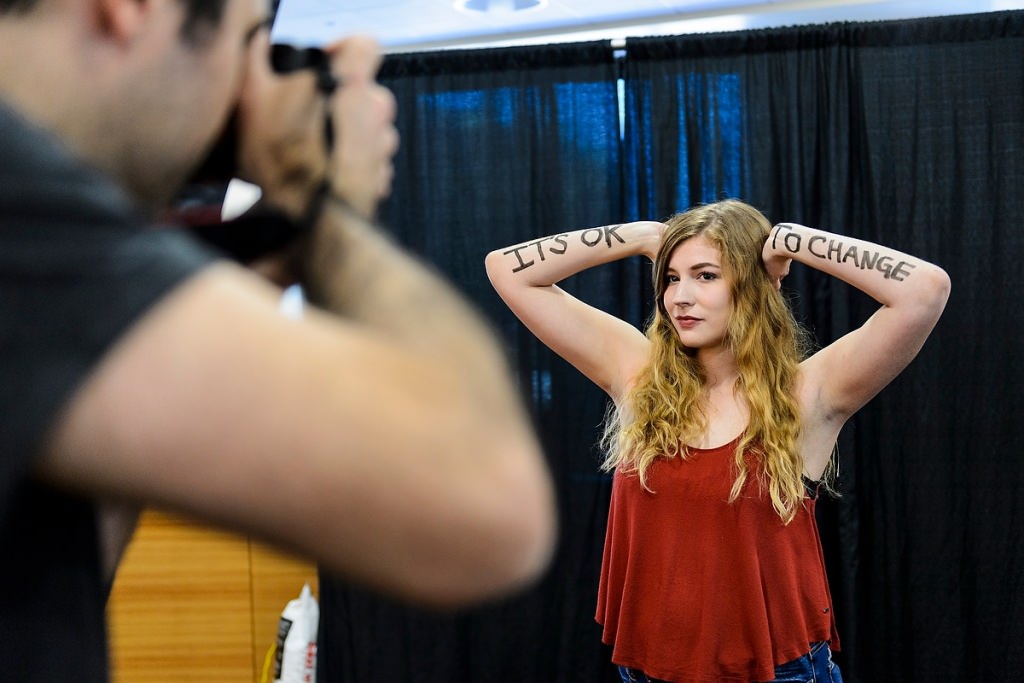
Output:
x,y
282,132
363,111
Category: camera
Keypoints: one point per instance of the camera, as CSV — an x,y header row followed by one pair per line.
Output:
x,y
260,232
221,163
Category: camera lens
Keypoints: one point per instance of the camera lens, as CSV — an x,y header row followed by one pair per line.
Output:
x,y
285,59
219,166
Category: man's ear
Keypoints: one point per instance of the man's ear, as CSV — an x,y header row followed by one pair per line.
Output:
x,y
122,20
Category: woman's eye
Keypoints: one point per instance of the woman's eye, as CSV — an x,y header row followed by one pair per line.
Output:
x,y
707,276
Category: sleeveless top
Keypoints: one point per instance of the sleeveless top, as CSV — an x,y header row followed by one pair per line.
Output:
x,y
695,588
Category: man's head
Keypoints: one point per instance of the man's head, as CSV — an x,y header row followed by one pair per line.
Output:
x,y
200,13
139,88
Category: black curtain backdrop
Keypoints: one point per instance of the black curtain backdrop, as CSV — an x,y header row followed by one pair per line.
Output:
x,y
906,133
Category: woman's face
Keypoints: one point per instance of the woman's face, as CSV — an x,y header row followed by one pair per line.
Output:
x,y
697,294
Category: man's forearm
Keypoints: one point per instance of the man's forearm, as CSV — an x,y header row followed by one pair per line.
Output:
x,y
355,271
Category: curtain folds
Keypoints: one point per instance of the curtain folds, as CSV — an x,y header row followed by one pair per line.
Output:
x,y
498,147
908,133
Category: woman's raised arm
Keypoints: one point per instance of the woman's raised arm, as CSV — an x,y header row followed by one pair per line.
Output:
x,y
847,373
607,350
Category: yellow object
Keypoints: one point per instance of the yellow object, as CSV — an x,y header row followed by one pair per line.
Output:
x,y
268,664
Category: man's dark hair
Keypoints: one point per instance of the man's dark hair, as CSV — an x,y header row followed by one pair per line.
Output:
x,y
16,6
200,14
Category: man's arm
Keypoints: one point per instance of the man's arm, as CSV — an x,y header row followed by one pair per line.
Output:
x,y
381,435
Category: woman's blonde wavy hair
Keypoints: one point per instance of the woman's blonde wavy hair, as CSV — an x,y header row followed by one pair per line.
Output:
x,y
662,411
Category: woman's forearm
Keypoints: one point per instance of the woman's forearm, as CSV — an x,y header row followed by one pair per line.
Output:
x,y
547,260
891,277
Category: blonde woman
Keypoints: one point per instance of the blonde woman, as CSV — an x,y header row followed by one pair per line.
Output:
x,y
721,431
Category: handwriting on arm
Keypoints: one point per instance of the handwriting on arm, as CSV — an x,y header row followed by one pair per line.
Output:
x,y
832,249
558,244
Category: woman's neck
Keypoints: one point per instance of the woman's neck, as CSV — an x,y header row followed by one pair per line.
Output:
x,y
719,366
726,411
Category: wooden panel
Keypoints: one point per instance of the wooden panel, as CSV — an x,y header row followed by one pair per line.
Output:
x,y
194,604
181,605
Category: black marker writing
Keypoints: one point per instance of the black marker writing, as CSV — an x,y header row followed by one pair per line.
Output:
x,y
606,233
589,238
865,259
559,239
791,241
775,235
831,249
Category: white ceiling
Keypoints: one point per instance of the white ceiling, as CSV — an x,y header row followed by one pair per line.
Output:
x,y
415,25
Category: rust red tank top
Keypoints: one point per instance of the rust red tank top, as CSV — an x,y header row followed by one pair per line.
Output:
x,y
694,588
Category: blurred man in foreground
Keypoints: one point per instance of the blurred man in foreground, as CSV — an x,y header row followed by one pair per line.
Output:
x,y
380,435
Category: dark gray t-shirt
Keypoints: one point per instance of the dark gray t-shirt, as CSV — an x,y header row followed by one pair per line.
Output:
x,y
78,268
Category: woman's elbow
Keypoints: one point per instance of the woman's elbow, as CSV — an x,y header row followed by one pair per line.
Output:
x,y
935,293
492,265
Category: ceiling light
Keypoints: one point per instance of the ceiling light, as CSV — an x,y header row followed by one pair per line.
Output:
x,y
499,6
